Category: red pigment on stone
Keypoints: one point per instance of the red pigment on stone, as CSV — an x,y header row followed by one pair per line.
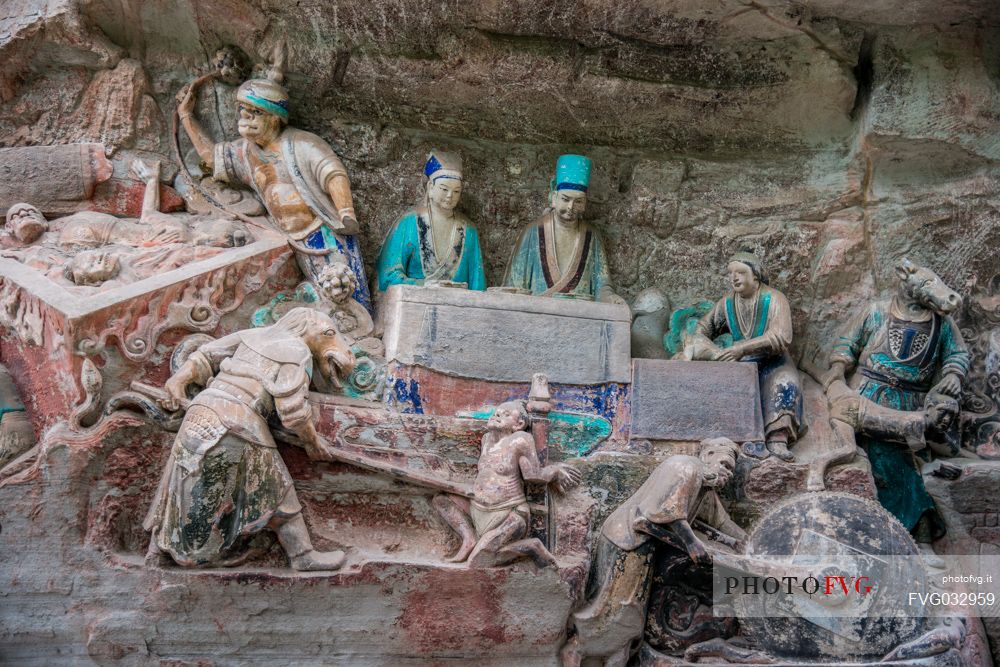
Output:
x,y
456,610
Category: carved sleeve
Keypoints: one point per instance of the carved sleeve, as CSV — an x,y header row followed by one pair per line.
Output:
x,y
292,401
851,342
206,359
397,252
713,324
954,353
228,164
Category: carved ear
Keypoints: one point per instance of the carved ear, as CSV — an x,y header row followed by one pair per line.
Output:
x,y
905,268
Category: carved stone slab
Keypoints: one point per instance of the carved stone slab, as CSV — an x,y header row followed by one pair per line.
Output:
x,y
692,400
53,178
506,337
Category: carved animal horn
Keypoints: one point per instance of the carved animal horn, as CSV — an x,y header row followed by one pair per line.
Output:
x,y
279,59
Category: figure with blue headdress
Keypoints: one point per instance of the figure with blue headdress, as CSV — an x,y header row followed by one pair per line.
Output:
x,y
559,255
434,242
297,176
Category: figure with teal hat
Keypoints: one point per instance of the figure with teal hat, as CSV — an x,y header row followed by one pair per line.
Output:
x,y
559,255
295,174
759,319
434,242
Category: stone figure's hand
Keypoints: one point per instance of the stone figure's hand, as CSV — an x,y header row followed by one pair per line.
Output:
x,y
835,373
566,477
186,100
733,353
699,554
321,450
950,385
146,172
175,388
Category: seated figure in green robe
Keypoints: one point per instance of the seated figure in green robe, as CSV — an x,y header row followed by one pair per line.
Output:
x,y
434,242
559,255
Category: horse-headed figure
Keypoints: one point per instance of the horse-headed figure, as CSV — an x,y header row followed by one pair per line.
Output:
x,y
909,355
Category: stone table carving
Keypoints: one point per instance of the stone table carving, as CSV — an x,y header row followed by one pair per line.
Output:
x,y
225,483
899,347
434,242
493,524
759,319
558,255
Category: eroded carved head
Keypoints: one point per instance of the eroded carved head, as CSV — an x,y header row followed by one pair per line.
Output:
x,y
93,267
920,285
719,454
26,223
337,282
509,417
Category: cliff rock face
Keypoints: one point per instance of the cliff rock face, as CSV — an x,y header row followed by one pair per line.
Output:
x,y
831,137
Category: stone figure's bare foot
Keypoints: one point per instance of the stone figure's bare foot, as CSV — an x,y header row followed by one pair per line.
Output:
x,y
314,560
463,551
530,548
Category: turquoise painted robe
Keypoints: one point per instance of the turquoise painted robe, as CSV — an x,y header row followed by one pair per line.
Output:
x,y
534,266
408,258
898,362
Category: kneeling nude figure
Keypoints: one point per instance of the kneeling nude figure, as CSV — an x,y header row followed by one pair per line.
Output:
x,y
494,523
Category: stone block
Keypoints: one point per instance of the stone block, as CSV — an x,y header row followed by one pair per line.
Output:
x,y
507,337
53,178
692,400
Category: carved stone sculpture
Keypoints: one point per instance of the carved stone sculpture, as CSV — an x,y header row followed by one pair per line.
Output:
x,y
650,312
90,248
225,483
681,490
331,294
759,319
494,523
296,175
905,349
434,242
559,255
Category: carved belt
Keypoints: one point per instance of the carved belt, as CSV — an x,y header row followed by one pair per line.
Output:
x,y
255,403
895,382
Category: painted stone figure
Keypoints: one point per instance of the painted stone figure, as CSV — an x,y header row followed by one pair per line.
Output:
x,y
494,523
905,350
760,321
558,254
225,484
91,248
434,242
297,176
679,491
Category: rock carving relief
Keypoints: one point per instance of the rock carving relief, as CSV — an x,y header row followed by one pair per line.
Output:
x,y
537,435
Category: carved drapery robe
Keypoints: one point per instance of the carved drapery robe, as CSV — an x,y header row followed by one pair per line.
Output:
x,y
408,256
534,265
898,362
